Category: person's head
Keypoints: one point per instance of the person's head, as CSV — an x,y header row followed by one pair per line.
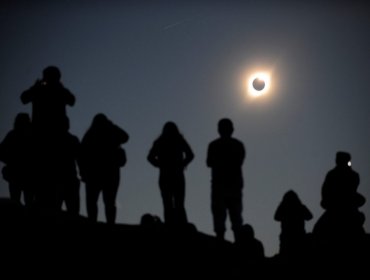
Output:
x,y
225,128
51,75
291,197
22,120
247,232
99,121
149,220
343,159
170,129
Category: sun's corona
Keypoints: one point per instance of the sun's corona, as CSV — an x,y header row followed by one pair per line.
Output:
x,y
259,84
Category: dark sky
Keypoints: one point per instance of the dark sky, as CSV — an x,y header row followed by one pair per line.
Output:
x,y
143,63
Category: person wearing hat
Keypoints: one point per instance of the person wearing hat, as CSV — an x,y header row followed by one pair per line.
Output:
x,y
339,189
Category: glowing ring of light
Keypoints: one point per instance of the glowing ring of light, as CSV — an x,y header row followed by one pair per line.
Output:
x,y
265,77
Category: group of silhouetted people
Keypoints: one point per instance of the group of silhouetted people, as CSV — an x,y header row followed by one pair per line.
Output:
x,y
45,163
339,230
171,154
44,160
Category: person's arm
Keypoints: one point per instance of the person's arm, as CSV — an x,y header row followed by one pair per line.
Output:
x,y
357,181
152,156
70,99
28,95
189,155
325,192
210,159
121,136
307,213
5,148
242,154
279,213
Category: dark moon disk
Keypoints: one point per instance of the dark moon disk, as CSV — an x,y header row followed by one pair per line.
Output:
x,y
258,84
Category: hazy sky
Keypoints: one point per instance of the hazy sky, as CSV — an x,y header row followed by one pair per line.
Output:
x,y
143,63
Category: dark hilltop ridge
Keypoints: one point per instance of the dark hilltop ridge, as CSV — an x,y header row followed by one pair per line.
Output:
x,y
36,241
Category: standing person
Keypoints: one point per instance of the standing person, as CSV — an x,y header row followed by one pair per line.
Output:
x,y
15,152
49,99
101,158
225,157
171,154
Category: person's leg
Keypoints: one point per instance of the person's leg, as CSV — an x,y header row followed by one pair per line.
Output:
x,y
179,200
72,199
167,205
235,207
28,195
167,193
109,197
218,208
92,195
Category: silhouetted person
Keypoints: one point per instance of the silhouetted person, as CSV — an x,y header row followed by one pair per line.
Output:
x,y
149,220
292,215
340,227
339,190
171,154
66,179
100,161
225,157
49,99
248,248
15,152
